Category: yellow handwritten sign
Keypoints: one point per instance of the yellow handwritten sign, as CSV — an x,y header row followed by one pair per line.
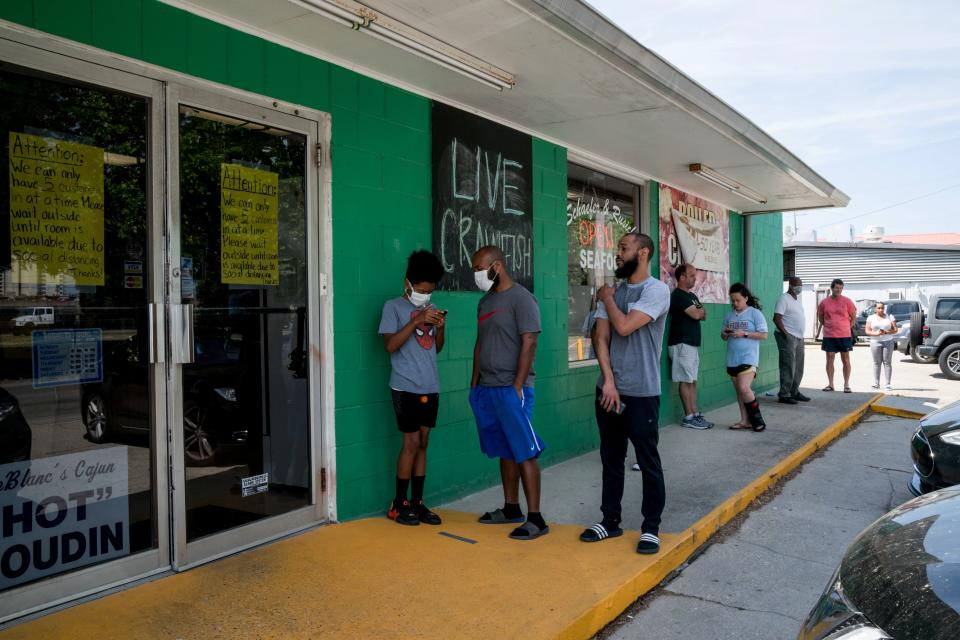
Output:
x,y
56,208
249,200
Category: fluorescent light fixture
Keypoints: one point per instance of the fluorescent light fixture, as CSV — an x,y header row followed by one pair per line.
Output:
x,y
731,185
333,12
385,28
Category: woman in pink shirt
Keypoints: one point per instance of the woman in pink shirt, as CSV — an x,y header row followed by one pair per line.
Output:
x,y
838,315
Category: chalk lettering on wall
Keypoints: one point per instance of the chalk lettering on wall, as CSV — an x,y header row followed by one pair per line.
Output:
x,y
482,183
249,203
56,209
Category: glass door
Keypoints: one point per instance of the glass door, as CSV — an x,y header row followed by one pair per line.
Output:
x,y
83,499
241,385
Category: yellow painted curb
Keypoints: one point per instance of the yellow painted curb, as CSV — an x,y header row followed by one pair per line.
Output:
x,y
687,542
899,413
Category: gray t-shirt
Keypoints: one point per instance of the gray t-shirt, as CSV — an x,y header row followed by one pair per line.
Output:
x,y
501,319
414,364
635,358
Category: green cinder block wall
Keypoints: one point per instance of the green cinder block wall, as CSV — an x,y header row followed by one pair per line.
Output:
x,y
766,260
381,212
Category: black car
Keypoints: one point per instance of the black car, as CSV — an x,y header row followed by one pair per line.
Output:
x,y
15,435
213,418
899,579
935,448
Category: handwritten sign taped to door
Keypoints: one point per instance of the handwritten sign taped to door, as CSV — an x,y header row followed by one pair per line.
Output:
x,y
249,200
56,208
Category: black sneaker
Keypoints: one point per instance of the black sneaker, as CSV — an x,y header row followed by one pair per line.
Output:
x,y
403,514
425,515
801,398
786,400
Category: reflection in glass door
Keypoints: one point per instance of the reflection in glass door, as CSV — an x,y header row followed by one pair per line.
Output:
x,y
77,479
243,282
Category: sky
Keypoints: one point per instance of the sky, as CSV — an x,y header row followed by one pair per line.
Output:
x,y
866,93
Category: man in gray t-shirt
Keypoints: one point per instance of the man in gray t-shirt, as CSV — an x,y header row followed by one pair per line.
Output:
x,y
501,390
628,340
502,319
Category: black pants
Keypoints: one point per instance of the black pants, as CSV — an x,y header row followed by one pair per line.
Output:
x,y
637,423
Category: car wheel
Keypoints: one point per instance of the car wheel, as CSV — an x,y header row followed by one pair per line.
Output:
x,y
950,361
95,419
919,359
198,448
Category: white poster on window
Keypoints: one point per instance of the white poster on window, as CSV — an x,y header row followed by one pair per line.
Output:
x,y
62,513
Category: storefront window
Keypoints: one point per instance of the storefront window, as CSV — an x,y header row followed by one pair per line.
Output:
x,y
76,426
600,209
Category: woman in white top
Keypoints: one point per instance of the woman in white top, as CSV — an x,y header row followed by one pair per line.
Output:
x,y
882,329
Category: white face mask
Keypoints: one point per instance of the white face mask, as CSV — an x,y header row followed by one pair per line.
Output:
x,y
796,290
418,299
482,278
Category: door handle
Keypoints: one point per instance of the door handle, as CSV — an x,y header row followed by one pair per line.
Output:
x,y
156,334
181,325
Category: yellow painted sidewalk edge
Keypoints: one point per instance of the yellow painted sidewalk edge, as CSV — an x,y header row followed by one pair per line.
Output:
x,y
611,606
899,413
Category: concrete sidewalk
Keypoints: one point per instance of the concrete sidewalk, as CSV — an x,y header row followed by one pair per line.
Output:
x,y
372,578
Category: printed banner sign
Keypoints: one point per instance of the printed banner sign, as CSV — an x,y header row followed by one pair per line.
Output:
x,y
61,513
249,204
697,232
56,209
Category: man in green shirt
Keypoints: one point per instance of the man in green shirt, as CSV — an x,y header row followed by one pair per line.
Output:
x,y
683,343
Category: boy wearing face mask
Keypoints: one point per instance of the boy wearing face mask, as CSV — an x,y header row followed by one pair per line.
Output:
x,y
413,335
789,319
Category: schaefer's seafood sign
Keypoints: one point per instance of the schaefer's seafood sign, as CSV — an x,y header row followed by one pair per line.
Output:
x,y
697,232
61,513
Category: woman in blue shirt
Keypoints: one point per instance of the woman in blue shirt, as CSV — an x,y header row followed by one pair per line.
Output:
x,y
743,329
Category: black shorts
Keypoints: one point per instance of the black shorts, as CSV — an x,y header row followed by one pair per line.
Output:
x,y
837,345
734,372
415,410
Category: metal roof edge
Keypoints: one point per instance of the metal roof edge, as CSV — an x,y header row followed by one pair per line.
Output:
x,y
595,32
870,245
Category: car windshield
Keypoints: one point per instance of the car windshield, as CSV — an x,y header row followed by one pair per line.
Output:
x,y
901,309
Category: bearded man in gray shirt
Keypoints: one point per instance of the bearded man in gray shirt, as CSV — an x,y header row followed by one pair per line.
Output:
x,y
628,340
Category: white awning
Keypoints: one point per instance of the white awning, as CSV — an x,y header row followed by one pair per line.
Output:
x,y
580,82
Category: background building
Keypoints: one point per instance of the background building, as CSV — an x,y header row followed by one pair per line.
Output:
x,y
872,271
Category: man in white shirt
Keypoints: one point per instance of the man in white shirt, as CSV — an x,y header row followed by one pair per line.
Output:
x,y
788,316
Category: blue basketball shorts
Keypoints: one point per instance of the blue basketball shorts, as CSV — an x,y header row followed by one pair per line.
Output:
x,y
505,423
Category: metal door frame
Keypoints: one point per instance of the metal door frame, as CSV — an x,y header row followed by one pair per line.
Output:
x,y
314,125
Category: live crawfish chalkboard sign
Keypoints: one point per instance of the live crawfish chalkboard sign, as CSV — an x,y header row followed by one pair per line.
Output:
x,y
482,195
